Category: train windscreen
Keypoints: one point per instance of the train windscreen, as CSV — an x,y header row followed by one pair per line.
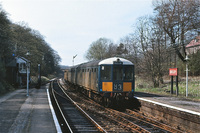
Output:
x,y
105,72
128,73
117,72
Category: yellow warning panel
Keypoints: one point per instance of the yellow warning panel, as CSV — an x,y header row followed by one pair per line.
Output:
x,y
107,86
127,86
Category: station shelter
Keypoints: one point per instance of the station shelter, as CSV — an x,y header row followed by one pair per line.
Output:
x,y
16,71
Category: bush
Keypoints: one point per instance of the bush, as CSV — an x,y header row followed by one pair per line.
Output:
x,y
2,89
2,71
194,63
2,85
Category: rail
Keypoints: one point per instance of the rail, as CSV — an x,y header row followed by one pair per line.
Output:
x,y
82,111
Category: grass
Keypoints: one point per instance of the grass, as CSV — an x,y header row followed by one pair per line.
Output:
x,y
164,89
34,80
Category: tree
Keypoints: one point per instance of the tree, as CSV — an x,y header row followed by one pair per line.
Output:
x,y
111,52
152,48
99,49
129,47
27,39
122,50
5,46
194,63
176,18
17,40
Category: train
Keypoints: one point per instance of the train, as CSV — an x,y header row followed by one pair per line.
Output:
x,y
108,81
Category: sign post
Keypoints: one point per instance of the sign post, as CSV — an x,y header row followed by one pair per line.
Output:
x,y
174,72
177,85
172,81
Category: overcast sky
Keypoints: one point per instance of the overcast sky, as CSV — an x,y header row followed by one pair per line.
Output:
x,y
70,26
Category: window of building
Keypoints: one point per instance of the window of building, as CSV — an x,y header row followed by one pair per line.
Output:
x,y
22,67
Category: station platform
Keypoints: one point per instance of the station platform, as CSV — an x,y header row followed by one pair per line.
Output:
x,y
19,113
174,102
180,113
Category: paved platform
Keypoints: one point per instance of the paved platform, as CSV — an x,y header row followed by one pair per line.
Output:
x,y
177,112
171,102
19,113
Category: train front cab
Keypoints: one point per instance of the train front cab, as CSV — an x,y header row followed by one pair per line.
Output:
x,y
116,80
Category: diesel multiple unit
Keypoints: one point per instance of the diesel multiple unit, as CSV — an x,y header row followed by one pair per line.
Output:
x,y
109,80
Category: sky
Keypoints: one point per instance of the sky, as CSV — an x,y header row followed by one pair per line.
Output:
x,y
70,26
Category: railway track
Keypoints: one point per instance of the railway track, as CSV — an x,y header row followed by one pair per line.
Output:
x,y
71,117
115,121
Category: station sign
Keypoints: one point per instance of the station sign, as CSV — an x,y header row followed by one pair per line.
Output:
x,y
173,71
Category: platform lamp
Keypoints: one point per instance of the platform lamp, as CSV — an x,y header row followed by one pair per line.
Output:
x,y
186,59
27,71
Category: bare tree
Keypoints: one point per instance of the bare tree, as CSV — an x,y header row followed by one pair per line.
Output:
x,y
152,49
111,52
176,18
130,48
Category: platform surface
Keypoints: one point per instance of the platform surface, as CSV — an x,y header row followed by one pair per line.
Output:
x,y
172,101
19,113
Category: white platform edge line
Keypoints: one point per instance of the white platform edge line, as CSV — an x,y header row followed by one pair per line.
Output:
x,y
169,106
54,115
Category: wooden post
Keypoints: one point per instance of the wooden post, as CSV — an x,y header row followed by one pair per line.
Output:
x,y
172,84
177,85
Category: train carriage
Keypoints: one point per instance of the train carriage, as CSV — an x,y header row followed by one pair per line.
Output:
x,y
112,79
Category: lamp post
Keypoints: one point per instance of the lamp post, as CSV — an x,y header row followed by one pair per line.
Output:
x,y
27,66
187,75
27,71
39,76
74,58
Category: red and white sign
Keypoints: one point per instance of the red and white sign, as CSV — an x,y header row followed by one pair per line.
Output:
x,y
173,71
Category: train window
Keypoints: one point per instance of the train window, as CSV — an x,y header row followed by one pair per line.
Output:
x,y
117,72
128,72
105,72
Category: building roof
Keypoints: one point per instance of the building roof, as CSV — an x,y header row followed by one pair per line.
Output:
x,y
20,59
194,43
12,63
16,60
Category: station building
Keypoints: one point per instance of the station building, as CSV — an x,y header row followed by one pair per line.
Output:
x,y
16,71
193,46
